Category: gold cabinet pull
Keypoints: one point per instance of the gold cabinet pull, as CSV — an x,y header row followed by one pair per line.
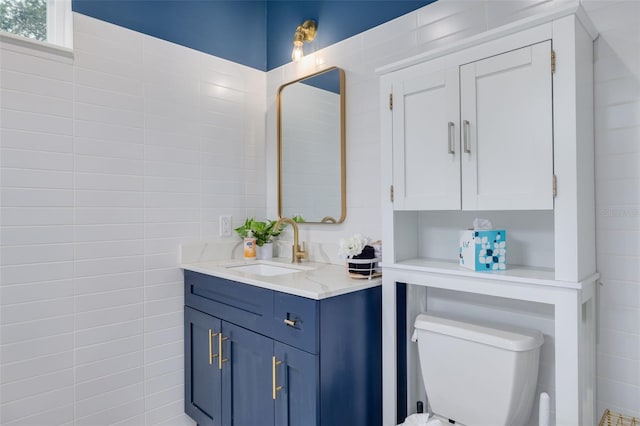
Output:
x,y
290,323
211,354
275,389
220,358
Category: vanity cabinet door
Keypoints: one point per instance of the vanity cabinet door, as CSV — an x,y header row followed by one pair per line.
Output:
x,y
246,377
202,373
297,382
506,117
426,145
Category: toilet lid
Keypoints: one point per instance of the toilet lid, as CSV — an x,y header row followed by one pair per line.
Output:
x,y
426,420
440,421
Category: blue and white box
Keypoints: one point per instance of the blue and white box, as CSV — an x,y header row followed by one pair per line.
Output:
x,y
483,250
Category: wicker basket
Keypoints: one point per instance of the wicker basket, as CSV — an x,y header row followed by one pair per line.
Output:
x,y
615,419
365,268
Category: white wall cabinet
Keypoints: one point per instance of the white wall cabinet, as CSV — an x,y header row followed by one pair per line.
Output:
x,y
426,151
475,136
489,127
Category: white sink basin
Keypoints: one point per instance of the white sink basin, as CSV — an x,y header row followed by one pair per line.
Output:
x,y
266,269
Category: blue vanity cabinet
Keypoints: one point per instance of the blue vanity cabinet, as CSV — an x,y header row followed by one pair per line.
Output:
x,y
247,379
203,384
234,389
281,359
297,402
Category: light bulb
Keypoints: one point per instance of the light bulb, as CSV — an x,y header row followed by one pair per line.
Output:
x,y
297,53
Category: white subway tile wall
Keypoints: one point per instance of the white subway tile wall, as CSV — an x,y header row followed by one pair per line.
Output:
x,y
37,321
617,129
109,162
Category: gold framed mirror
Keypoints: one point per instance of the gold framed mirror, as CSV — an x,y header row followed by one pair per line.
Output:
x,y
311,148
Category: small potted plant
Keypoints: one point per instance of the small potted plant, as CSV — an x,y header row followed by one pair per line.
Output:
x,y
263,232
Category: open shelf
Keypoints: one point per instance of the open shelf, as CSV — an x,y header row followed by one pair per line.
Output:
x,y
514,273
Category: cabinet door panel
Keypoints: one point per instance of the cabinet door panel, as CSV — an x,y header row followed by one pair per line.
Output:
x,y
507,102
246,377
298,401
426,154
202,375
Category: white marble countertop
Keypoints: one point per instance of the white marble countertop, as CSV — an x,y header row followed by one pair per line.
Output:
x,y
314,280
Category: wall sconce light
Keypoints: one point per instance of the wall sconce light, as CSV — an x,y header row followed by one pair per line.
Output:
x,y
305,32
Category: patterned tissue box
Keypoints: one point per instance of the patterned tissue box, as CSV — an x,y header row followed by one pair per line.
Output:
x,y
483,250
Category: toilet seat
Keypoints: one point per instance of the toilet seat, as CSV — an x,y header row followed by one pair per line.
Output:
x,y
440,421
426,420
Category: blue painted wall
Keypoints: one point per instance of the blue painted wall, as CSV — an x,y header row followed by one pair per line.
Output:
x,y
329,81
337,20
258,34
233,30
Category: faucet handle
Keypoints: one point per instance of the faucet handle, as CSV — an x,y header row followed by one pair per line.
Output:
x,y
299,253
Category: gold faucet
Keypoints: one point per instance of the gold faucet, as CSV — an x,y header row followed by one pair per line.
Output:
x,y
297,253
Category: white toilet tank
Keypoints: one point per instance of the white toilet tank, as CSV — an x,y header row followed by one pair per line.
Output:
x,y
478,375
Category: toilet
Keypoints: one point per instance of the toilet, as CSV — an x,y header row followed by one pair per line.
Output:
x,y
477,375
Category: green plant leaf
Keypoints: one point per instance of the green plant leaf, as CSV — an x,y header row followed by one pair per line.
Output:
x,y
262,231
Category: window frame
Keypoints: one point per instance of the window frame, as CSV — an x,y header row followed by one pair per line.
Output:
x,y
59,33
60,23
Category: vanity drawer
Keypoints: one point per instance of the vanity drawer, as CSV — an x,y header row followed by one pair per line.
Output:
x,y
242,304
296,321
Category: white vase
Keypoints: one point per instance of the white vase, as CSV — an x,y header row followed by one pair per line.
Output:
x,y
264,252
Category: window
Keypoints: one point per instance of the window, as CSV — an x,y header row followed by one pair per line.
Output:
x,y
43,20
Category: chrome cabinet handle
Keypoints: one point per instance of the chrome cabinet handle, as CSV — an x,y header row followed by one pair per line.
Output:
x,y
467,148
451,147
290,323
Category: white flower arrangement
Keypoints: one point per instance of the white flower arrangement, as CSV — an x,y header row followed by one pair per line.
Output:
x,y
353,245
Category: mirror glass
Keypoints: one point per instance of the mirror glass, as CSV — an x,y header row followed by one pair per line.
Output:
x,y
311,148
